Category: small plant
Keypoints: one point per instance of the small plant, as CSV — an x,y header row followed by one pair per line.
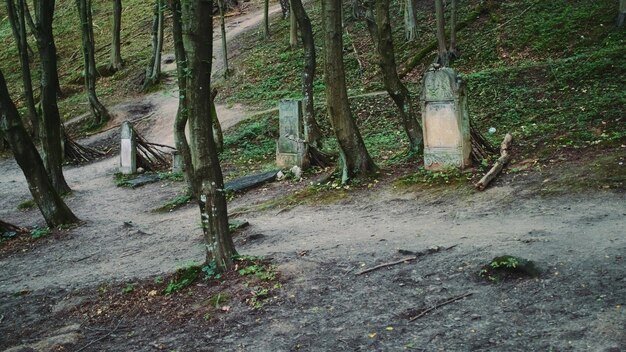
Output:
x,y
183,278
507,266
130,287
39,232
210,271
259,294
121,180
171,176
158,279
26,205
263,272
174,204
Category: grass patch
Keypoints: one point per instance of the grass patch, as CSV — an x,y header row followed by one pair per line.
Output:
x,y
27,205
176,203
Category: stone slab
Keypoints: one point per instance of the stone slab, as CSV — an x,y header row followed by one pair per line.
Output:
x,y
142,180
251,181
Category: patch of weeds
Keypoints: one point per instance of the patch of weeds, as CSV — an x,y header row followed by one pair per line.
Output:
x,y
210,271
259,295
130,287
447,176
39,232
262,271
508,267
27,205
183,278
121,180
177,202
171,176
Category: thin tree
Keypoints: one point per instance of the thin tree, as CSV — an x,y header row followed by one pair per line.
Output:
x,y
410,20
355,160
266,18
153,72
208,178
445,54
313,134
116,62
222,9
17,19
98,111
52,207
50,131
293,27
379,26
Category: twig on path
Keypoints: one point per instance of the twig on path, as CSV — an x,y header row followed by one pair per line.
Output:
x,y
1,318
439,305
404,260
102,337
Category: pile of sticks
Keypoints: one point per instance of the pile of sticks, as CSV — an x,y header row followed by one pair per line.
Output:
x,y
6,227
150,156
481,148
77,153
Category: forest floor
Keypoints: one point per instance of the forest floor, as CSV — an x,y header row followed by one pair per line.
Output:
x,y
99,286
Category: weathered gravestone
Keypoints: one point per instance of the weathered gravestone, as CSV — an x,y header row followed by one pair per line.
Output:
x,y
291,149
177,162
128,151
445,120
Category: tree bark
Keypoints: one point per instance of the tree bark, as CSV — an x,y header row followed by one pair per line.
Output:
x,y
98,111
153,72
441,33
197,36
293,28
379,26
50,129
355,160
17,19
266,18
116,56
410,21
221,5
52,207
313,134
180,124
453,53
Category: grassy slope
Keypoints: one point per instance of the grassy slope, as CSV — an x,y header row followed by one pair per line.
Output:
x,y
136,26
551,73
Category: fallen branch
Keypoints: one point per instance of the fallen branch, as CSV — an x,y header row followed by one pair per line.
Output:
x,y
407,259
149,157
6,227
499,165
481,148
439,305
79,153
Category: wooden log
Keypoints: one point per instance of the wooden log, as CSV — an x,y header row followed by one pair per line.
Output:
x,y
499,165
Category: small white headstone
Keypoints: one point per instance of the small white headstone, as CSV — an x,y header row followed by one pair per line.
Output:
x,y
291,149
128,150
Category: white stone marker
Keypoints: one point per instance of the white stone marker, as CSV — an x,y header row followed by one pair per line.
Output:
x,y
445,120
128,150
177,162
291,149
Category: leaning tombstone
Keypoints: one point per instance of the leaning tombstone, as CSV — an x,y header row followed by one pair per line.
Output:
x,y
177,162
128,150
291,149
445,120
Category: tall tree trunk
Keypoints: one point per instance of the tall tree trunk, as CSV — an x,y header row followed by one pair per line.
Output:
x,y
98,111
153,72
52,207
198,35
50,129
453,53
410,21
17,20
441,33
116,56
313,134
293,27
379,26
221,5
355,159
180,124
266,18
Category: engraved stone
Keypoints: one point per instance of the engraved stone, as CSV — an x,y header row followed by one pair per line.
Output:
x,y
445,120
177,162
128,150
291,149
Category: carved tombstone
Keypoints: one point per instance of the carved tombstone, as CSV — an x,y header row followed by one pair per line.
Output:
x,y
291,149
177,162
128,151
445,120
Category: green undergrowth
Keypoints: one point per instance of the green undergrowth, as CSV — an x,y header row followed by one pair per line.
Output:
x,y
173,204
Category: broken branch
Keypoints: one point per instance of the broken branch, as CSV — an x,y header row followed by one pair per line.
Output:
x,y
407,259
439,305
499,165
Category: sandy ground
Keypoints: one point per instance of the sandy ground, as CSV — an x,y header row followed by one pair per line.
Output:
x,y
577,240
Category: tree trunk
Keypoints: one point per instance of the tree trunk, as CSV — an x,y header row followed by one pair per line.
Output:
x,y
293,28
313,134
197,35
116,56
379,26
221,5
355,160
453,53
17,20
410,21
153,72
441,33
266,18
180,124
50,129
98,111
52,207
